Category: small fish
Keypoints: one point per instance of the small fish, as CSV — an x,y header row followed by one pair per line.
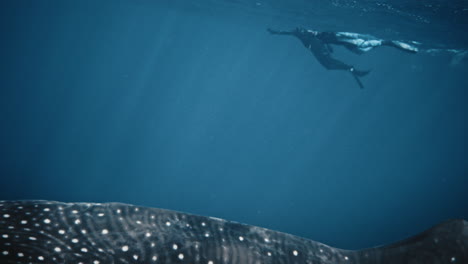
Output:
x,y
91,233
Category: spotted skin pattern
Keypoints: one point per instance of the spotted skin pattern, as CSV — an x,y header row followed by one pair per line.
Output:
x,y
55,232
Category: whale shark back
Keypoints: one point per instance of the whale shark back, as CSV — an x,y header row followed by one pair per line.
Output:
x,y
54,232
443,243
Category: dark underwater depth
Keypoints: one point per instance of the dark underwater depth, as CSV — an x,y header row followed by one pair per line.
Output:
x,y
193,106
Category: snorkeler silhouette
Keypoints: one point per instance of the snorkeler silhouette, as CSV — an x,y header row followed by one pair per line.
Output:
x,y
319,43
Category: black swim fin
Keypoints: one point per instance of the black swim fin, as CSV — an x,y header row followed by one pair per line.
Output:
x,y
356,74
360,73
358,81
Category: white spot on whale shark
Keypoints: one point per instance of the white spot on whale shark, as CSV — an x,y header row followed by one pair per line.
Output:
x,y
54,232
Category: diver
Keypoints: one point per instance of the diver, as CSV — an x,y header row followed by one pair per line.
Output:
x,y
319,43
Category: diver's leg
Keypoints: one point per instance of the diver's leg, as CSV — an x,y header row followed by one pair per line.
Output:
x,y
334,64
358,72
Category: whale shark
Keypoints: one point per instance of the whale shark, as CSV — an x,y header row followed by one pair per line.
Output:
x,y
101,233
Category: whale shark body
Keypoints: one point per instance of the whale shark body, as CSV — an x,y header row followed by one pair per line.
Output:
x,y
55,232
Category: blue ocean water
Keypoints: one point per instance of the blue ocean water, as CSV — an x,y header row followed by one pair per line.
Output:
x,y
193,106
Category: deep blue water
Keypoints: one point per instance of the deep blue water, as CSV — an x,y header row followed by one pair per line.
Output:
x,y
193,106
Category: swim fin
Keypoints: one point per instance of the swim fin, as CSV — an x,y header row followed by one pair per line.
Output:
x,y
360,73
358,81
356,74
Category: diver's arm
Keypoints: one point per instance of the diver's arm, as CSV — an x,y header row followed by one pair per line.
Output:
x,y
279,32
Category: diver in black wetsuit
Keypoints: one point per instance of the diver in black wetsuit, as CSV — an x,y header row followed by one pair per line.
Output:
x,y
319,43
